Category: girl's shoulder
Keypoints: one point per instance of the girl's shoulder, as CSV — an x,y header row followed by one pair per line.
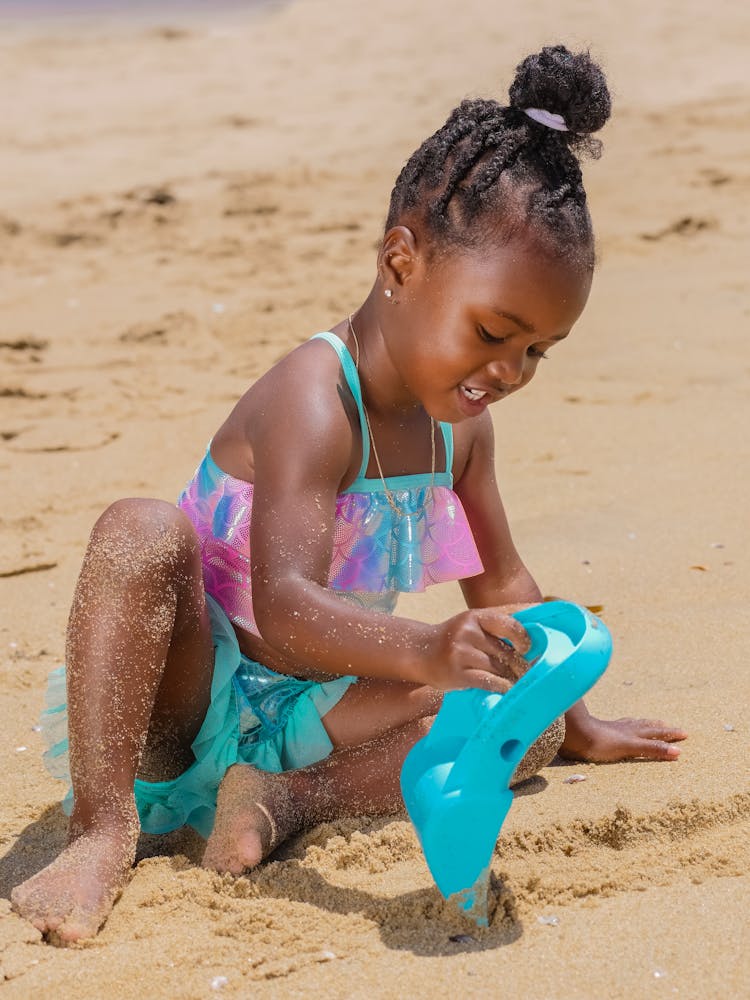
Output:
x,y
307,374
299,405
305,385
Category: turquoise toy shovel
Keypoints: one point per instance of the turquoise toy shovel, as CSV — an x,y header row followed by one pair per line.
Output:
x,y
455,781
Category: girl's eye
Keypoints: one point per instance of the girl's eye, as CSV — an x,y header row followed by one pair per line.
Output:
x,y
488,338
534,352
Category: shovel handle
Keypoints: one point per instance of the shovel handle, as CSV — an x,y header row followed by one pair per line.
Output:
x,y
571,661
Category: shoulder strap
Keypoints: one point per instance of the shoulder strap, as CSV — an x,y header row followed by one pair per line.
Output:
x,y
352,380
447,430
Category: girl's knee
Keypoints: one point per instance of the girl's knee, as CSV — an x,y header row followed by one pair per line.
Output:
x,y
141,514
542,752
137,535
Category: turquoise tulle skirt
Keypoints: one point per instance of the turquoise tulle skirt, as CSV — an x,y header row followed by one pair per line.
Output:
x,y
256,716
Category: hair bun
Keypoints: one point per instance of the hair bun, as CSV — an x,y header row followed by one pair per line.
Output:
x,y
564,83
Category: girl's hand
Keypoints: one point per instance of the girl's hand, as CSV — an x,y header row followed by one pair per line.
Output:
x,y
469,651
600,742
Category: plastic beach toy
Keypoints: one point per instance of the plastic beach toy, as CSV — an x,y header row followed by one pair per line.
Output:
x,y
455,781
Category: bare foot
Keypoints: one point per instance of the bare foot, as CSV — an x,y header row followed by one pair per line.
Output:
x,y
254,814
71,898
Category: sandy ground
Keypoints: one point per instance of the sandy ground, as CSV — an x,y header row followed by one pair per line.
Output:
x,y
180,203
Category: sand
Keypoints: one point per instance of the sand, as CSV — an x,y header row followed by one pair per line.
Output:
x,y
184,200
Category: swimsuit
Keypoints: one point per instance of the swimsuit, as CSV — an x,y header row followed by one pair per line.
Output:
x,y
377,554
257,716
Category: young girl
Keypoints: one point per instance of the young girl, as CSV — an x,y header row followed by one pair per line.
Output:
x,y
243,642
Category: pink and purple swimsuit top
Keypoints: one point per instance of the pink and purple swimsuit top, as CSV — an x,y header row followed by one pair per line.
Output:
x,y
377,553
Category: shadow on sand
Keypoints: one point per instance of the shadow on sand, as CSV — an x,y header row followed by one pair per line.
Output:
x,y
420,921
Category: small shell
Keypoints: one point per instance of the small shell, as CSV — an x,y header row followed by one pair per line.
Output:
x,y
550,921
573,779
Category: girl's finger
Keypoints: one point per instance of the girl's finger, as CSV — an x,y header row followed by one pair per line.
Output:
x,y
670,735
509,663
656,729
504,626
658,750
487,681
491,656
644,749
499,656
664,732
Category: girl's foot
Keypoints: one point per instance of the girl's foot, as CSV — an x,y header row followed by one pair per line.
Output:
x,y
254,814
71,898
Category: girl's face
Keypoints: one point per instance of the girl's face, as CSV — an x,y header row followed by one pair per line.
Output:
x,y
469,330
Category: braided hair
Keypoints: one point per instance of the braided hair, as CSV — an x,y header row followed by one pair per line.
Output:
x,y
492,171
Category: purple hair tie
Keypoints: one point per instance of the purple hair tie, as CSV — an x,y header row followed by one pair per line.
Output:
x,y
548,118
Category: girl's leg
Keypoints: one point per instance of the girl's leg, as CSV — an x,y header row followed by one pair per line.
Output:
x,y
371,708
139,666
372,728
257,810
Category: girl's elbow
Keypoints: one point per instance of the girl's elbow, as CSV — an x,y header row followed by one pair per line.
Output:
x,y
271,620
277,614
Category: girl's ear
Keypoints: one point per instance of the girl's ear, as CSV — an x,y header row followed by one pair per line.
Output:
x,y
397,258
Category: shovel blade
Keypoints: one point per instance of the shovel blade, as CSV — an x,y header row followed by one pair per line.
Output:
x,y
457,830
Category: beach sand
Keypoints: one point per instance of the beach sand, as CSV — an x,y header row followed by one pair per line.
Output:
x,y
183,202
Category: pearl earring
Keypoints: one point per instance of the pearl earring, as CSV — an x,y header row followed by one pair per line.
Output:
x,y
388,293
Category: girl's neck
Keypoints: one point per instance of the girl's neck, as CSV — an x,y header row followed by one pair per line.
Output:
x,y
383,387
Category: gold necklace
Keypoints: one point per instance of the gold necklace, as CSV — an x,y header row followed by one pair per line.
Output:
x,y
389,496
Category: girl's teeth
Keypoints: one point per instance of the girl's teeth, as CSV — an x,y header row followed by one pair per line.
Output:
x,y
473,393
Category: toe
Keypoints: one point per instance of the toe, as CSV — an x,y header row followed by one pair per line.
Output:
x,y
249,850
32,902
212,856
79,925
21,905
232,857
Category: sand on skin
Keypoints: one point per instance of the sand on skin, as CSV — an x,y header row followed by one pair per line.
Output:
x,y
216,203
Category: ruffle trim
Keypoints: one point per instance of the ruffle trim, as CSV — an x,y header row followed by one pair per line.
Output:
x,y
191,797
375,549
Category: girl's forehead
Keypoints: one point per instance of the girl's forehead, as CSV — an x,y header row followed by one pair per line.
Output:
x,y
518,272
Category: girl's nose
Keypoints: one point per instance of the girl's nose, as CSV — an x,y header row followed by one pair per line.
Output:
x,y
508,370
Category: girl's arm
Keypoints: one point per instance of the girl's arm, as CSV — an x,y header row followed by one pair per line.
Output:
x,y
507,582
303,448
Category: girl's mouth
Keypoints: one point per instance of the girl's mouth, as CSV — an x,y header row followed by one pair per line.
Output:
x,y
473,401
473,394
